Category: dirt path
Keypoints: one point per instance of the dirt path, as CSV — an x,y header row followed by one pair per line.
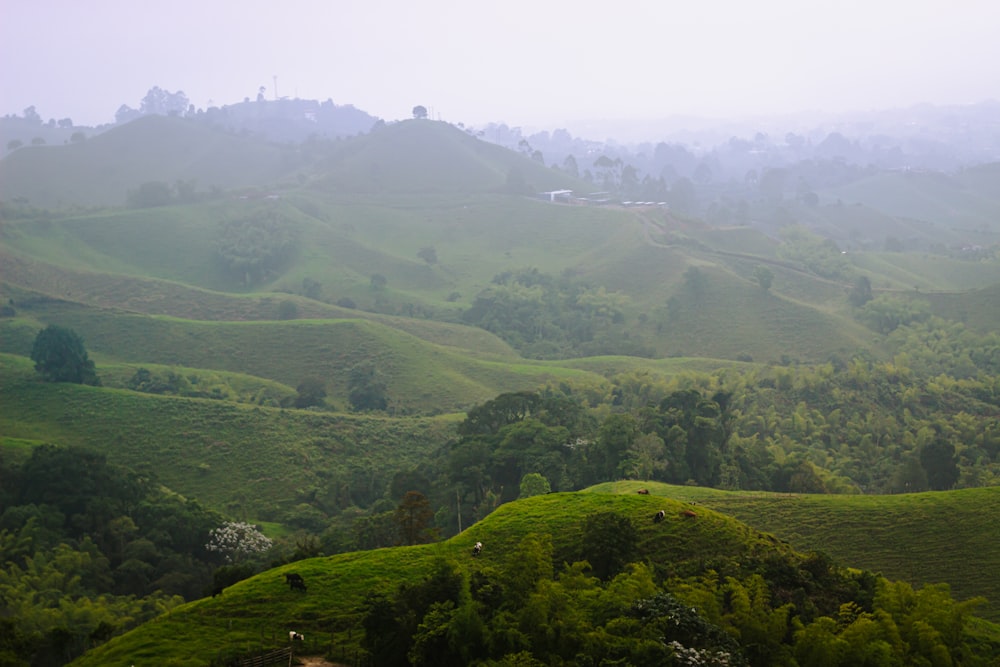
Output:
x,y
316,661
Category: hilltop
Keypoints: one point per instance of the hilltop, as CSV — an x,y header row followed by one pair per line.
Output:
x,y
528,548
102,170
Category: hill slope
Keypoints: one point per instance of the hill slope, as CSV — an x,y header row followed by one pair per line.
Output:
x,y
259,611
921,538
101,170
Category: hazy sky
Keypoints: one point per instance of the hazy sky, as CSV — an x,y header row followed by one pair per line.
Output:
x,y
530,63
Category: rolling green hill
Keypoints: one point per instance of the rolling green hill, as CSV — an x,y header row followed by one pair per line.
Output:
x,y
425,156
977,309
245,459
256,614
921,538
966,201
246,613
101,170
422,377
368,207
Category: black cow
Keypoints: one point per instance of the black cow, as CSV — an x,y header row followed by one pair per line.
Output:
x,y
658,517
295,581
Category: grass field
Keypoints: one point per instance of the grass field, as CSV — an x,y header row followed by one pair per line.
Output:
x,y
921,538
245,460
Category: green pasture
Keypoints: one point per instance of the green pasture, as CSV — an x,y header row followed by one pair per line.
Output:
x,y
242,459
421,377
922,538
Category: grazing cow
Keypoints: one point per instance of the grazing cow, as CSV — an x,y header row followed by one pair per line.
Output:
x,y
689,514
477,548
658,517
644,492
217,591
297,585
292,577
292,636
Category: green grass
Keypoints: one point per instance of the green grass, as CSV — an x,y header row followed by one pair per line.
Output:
x,y
237,458
921,538
422,377
259,611
978,309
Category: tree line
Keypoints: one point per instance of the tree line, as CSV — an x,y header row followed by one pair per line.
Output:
x,y
595,603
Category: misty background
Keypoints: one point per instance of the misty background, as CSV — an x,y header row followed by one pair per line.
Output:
x,y
532,65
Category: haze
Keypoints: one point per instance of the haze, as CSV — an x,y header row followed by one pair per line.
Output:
x,y
519,62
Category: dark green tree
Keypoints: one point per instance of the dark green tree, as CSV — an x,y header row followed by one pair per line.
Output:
x,y
366,388
150,194
609,542
861,293
763,276
414,517
311,391
420,111
938,461
428,254
60,356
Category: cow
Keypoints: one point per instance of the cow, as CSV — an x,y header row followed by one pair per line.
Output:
x,y
295,581
658,517
292,636
217,591
477,548
644,492
689,514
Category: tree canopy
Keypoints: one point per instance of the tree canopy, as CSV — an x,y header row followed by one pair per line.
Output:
x,y
60,356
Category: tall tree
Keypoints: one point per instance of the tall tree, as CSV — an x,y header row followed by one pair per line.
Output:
x,y
414,517
938,461
60,356
366,388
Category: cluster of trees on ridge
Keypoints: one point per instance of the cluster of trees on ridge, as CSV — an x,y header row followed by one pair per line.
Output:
x,y
608,609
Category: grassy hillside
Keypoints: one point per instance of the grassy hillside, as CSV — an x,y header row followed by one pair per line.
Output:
x,y
921,538
977,309
421,377
260,611
907,271
244,459
370,206
101,170
431,156
962,202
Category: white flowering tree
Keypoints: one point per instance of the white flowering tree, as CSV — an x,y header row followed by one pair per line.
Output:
x,y
237,540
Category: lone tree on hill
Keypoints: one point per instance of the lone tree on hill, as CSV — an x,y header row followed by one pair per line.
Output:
x,y
59,356
420,111
366,388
